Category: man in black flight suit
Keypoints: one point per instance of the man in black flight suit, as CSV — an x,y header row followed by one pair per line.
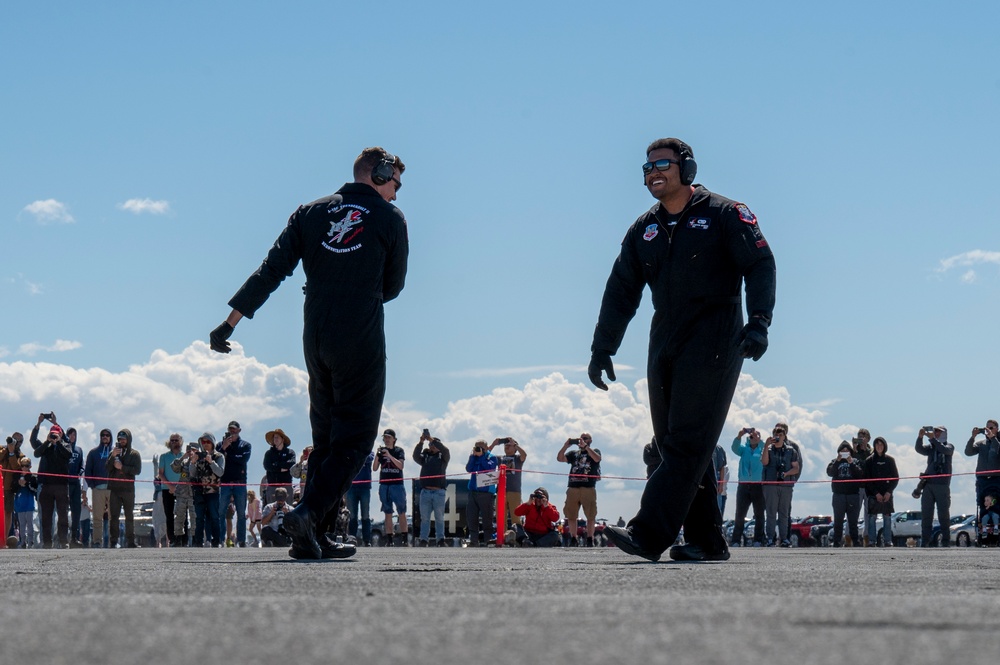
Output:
x,y
693,248
353,247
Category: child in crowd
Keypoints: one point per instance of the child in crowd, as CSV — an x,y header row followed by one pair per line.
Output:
x,y
254,517
990,520
24,505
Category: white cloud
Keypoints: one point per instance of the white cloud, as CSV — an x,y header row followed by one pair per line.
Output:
x,y
49,211
139,206
974,258
496,372
196,390
60,345
4,351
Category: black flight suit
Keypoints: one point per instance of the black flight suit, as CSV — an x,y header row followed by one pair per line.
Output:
x,y
694,263
353,247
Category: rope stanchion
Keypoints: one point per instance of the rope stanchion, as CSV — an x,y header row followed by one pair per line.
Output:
x,y
501,504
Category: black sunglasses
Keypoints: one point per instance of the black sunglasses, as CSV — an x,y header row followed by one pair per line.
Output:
x,y
660,165
398,185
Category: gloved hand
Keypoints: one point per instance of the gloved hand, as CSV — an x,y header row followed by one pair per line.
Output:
x,y
218,337
753,339
600,361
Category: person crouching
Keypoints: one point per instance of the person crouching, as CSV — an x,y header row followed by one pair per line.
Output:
x,y
539,516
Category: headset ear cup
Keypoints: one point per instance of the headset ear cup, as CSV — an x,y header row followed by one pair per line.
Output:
x,y
382,172
689,169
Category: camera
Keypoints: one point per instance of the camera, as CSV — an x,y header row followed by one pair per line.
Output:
x,y
537,495
845,455
505,440
929,429
202,454
10,440
575,442
980,430
427,433
477,449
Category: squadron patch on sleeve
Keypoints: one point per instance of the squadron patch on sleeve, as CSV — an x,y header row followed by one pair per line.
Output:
x,y
650,233
745,214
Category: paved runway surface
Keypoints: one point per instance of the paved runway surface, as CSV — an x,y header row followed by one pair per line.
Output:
x,y
512,605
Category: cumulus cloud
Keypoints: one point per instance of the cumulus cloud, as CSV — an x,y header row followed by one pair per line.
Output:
x,y
195,390
60,345
497,372
139,206
49,211
976,257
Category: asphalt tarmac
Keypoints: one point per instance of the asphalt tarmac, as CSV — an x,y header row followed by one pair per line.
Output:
x,y
454,605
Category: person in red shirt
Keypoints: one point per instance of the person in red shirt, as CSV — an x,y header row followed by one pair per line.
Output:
x,y
539,516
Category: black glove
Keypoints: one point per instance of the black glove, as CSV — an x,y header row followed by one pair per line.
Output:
x,y
600,361
218,337
753,339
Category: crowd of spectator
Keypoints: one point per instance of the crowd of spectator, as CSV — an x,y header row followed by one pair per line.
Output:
x,y
202,499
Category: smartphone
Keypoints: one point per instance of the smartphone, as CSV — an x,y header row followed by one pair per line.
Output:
x,y
427,433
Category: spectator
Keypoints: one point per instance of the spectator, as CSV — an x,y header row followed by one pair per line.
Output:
x,y
53,466
230,513
581,491
539,519
207,469
234,481
861,451
513,458
651,458
168,483
882,477
273,531
481,490
185,515
721,474
990,521
780,462
24,503
389,459
159,516
845,471
987,454
10,467
937,491
301,468
124,465
358,499
433,467
95,474
278,462
74,487
85,520
254,516
749,491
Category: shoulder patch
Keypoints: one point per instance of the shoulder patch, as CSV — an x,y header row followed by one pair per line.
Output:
x,y
650,233
745,214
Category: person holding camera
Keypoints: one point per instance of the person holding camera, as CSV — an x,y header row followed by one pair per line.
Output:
x,y
358,498
278,462
433,463
389,460
780,465
10,464
861,451
272,533
24,503
513,458
234,480
581,489
882,478
937,482
846,471
749,491
540,517
481,464
124,465
53,467
208,467
987,454
185,515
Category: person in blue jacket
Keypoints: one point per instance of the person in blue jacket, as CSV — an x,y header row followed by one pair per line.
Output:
x,y
481,493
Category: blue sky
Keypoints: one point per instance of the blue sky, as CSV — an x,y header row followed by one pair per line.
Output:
x,y
151,154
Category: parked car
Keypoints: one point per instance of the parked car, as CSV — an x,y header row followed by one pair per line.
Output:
x,y
961,525
905,525
800,533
